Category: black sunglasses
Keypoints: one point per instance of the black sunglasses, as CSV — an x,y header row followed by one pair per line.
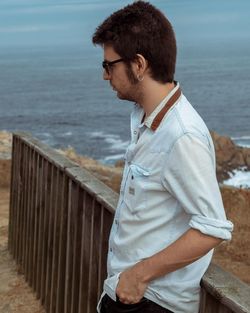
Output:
x,y
108,64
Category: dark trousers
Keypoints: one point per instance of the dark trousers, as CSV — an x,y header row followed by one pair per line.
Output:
x,y
144,306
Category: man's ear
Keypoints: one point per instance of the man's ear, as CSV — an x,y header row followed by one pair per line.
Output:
x,y
141,64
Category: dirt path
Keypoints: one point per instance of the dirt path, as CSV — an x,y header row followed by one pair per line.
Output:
x,y
15,294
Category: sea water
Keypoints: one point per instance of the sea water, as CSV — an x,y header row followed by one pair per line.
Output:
x,y
54,89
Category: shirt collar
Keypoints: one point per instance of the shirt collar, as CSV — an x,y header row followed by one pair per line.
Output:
x,y
154,119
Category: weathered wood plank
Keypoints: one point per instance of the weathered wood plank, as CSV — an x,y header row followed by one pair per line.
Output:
x,y
58,211
54,157
31,218
95,254
28,212
62,244
107,222
94,187
101,258
90,255
82,255
47,183
17,204
227,288
25,204
51,218
12,198
36,209
20,241
69,253
77,199
41,203
85,253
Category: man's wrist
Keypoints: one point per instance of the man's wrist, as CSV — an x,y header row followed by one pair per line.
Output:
x,y
143,271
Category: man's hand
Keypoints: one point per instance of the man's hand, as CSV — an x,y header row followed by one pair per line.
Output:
x,y
131,286
191,246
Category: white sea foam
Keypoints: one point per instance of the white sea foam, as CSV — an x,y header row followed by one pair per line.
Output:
x,y
239,178
98,134
46,138
241,138
66,134
243,145
44,134
112,158
116,144
49,142
242,141
113,141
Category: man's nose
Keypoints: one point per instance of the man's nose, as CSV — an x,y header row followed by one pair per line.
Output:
x,y
106,76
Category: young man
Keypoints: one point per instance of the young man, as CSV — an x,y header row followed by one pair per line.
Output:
x,y
170,214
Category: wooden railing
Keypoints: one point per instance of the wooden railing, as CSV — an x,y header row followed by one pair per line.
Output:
x,y
60,218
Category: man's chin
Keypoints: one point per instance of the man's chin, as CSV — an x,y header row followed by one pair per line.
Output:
x,y
120,96
123,97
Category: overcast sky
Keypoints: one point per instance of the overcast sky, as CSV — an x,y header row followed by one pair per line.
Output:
x,y
51,22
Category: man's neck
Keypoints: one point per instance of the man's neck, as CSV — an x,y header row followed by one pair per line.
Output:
x,y
153,94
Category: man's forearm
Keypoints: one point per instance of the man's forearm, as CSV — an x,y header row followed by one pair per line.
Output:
x,y
188,248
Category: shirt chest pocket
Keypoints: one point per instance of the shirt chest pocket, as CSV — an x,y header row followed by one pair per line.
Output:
x,y
134,191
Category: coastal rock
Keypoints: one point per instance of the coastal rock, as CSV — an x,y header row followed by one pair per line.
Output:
x,y
229,156
224,147
5,145
5,158
246,156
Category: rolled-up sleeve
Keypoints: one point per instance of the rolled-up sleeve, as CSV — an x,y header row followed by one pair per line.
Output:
x,y
189,175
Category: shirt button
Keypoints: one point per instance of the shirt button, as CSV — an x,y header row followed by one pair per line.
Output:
x,y
135,132
110,249
116,222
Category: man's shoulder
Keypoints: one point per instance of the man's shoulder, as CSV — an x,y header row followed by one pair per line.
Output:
x,y
183,119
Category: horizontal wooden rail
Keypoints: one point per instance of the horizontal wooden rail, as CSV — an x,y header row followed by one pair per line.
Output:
x,y
60,218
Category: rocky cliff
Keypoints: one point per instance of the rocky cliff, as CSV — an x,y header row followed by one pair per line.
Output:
x,y
229,156
5,159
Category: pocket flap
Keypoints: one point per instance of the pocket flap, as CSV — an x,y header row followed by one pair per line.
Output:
x,y
139,171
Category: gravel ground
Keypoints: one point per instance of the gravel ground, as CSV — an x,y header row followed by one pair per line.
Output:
x,y
15,294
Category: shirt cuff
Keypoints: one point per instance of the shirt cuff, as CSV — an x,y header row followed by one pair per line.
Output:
x,y
110,285
212,227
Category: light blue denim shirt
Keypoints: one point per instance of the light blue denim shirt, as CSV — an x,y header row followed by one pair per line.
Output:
x,y
169,185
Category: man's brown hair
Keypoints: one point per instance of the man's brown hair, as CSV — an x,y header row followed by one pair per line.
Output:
x,y
140,28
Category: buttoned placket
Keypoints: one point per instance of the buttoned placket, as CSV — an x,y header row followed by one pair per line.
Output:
x,y
136,131
138,127
115,226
